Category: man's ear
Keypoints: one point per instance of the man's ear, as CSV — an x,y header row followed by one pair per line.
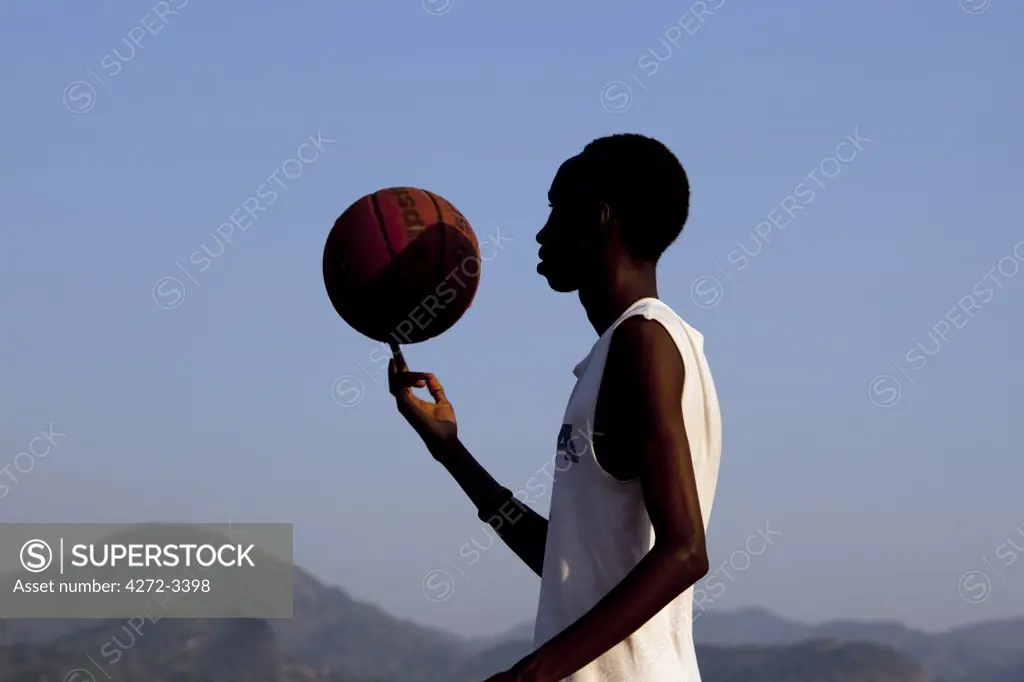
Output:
x,y
604,214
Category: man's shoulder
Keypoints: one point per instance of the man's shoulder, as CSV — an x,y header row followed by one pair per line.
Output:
x,y
650,328
641,346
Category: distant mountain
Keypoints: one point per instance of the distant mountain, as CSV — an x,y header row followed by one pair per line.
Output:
x,y
332,631
39,630
972,653
245,651
813,661
336,638
1013,672
171,651
749,626
519,633
1002,634
816,660
957,655
493,660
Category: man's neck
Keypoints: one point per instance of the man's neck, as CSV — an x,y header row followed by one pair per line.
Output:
x,y
604,304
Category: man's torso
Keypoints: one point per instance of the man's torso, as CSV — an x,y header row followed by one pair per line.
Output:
x,y
599,529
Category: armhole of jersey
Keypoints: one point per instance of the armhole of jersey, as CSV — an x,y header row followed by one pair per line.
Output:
x,y
647,313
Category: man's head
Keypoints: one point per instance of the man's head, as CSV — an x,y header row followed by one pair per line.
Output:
x,y
623,199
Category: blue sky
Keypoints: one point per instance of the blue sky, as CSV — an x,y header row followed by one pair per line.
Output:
x,y
882,479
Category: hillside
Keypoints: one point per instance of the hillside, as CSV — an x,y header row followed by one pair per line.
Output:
x,y
335,638
818,660
985,652
958,655
246,651
331,630
171,651
813,661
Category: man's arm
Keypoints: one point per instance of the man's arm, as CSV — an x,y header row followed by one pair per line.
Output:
x,y
523,530
642,425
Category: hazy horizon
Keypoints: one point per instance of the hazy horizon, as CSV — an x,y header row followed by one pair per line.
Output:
x,y
853,259
475,633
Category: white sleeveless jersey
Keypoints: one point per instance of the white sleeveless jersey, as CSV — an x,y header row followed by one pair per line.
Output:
x,y
599,529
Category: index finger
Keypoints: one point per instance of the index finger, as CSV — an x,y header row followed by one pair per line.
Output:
x,y
398,358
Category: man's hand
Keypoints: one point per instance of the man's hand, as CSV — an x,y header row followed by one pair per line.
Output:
x,y
433,421
522,529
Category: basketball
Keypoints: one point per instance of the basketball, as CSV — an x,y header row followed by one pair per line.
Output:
x,y
402,265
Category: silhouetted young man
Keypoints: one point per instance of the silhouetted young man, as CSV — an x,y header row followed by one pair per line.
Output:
x,y
637,455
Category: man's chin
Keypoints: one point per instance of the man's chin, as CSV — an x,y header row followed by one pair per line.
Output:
x,y
562,285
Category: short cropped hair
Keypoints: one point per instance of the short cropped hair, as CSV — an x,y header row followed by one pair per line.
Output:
x,y
644,185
